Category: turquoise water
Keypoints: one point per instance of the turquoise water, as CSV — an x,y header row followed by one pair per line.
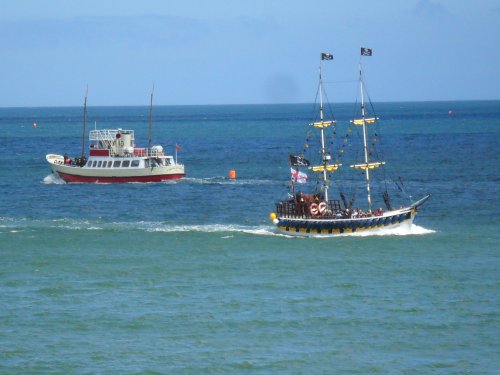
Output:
x,y
190,277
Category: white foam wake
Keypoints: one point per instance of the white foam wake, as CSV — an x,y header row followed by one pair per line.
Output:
x,y
226,229
224,181
53,179
397,231
211,228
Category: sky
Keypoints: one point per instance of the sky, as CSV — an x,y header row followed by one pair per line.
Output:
x,y
245,52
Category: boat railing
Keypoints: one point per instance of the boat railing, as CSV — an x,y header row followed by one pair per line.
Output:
x,y
137,151
108,134
302,210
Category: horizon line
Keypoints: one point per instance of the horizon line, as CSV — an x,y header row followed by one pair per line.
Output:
x,y
245,104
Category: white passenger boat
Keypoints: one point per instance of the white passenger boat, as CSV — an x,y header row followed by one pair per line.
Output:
x,y
114,158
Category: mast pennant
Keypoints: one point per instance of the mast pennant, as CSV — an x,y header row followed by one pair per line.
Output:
x,y
366,51
326,56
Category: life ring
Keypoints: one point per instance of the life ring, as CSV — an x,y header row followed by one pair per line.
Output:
x,y
313,209
322,208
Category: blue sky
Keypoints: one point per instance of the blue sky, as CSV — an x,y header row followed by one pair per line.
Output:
x,y
234,52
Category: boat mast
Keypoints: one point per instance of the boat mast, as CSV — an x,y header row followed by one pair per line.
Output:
x,y
151,118
324,157
84,121
363,119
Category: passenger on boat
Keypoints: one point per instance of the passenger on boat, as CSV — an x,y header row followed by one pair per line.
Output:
x,y
300,203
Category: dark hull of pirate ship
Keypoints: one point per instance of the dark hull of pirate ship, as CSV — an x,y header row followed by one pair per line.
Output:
x,y
306,217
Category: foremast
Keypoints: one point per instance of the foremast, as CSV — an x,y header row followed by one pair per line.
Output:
x,y
364,121
322,125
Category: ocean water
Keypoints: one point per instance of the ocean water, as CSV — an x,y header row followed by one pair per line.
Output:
x,y
190,277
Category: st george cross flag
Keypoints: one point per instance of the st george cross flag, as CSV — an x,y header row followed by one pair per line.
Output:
x,y
326,56
297,176
366,51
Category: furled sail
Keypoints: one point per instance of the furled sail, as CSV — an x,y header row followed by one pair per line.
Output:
x,y
329,167
368,165
322,124
369,120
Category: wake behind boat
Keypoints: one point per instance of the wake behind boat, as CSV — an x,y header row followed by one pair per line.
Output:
x,y
114,158
315,213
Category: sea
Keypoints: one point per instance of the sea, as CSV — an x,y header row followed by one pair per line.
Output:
x,y
192,277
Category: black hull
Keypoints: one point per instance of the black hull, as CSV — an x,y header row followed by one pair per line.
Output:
x,y
306,227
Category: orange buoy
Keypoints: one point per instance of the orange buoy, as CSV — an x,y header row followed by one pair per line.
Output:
x,y
232,174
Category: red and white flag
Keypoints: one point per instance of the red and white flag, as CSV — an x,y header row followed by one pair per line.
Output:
x,y
297,176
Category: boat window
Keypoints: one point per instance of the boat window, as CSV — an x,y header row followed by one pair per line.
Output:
x,y
146,163
126,163
135,163
167,161
117,164
94,163
110,163
99,164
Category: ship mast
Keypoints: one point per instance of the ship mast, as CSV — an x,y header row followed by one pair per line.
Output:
x,y
324,157
325,166
151,118
84,121
364,121
365,145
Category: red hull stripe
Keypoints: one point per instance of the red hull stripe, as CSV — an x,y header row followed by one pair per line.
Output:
x,y
71,178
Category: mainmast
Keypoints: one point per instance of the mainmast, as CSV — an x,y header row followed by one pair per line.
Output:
x,y
365,145
324,157
84,121
364,121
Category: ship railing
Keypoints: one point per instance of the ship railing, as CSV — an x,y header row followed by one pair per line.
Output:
x,y
138,151
107,134
301,210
